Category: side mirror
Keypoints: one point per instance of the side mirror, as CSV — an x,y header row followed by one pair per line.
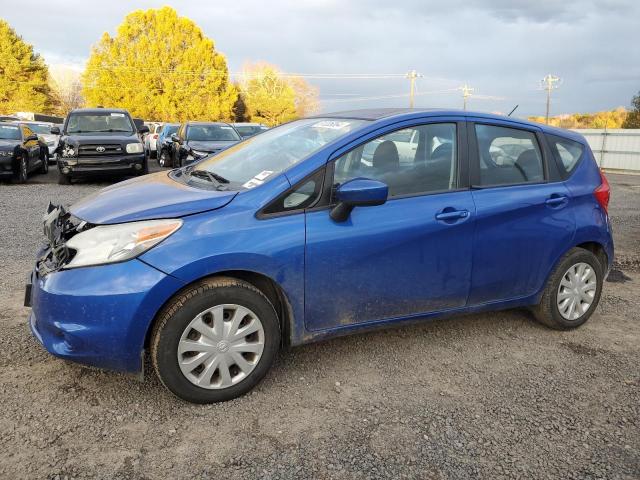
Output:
x,y
31,138
359,192
142,129
175,138
55,130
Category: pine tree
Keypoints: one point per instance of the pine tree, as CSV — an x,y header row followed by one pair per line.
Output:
x,y
24,77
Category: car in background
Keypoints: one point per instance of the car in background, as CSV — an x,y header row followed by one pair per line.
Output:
x,y
195,140
151,138
292,237
164,144
100,141
21,152
246,129
43,130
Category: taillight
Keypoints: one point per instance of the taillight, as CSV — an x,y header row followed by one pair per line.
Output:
x,y
155,136
603,192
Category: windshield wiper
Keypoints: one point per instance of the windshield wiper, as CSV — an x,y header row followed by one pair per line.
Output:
x,y
212,177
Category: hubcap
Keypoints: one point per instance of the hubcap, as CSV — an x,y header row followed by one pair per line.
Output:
x,y
23,167
576,291
221,346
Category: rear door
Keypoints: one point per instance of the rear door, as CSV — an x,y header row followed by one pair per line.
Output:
x,y
524,221
407,257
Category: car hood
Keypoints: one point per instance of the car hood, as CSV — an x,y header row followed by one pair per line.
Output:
x,y
145,198
48,137
106,138
8,144
210,146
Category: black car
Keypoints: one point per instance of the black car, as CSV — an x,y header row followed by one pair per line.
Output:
x,y
100,141
21,152
196,140
164,143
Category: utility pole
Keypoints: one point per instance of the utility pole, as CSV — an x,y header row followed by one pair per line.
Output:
x,y
550,82
466,93
412,75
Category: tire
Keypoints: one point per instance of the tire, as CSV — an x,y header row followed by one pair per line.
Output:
x,y
554,311
64,179
23,171
145,167
44,169
241,303
163,159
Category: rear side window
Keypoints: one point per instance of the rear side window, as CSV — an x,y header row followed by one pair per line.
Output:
x,y
567,153
508,156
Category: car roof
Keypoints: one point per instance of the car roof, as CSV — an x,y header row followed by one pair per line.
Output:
x,y
247,124
373,114
99,110
207,123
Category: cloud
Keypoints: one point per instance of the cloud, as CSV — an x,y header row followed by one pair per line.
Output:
x,y
501,47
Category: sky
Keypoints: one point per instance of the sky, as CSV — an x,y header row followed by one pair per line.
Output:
x,y
500,48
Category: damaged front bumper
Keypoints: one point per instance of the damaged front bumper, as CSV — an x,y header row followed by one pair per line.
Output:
x,y
97,315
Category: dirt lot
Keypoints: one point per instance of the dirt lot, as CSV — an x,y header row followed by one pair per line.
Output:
x,y
483,396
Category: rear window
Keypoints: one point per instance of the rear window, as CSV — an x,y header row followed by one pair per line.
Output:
x,y
211,133
567,153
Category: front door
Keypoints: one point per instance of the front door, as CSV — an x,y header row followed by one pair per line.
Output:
x,y
407,257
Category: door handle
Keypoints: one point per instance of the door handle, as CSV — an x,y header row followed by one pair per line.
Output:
x,y
554,200
452,215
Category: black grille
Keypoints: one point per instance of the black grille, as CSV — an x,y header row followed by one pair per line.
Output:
x,y
100,150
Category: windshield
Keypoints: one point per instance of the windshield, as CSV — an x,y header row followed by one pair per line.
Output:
x,y
169,129
40,128
9,132
248,130
212,133
99,122
253,161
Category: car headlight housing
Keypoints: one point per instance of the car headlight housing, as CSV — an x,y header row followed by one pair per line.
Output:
x,y
134,148
116,243
68,151
198,153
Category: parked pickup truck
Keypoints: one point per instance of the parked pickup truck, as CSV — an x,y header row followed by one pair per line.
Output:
x,y
100,141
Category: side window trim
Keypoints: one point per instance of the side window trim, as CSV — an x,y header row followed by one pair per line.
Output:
x,y
316,205
462,159
474,158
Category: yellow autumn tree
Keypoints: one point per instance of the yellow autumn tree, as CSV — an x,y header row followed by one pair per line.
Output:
x,y
24,76
269,98
160,66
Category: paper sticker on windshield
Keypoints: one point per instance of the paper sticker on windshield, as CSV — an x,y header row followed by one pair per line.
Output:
x,y
331,124
113,114
9,127
226,128
252,183
258,179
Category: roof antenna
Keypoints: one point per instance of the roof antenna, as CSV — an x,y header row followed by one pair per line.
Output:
x,y
514,109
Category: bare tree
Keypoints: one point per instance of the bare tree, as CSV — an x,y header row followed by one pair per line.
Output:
x,y
67,88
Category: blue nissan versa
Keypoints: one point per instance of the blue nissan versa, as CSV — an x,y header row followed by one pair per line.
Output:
x,y
296,235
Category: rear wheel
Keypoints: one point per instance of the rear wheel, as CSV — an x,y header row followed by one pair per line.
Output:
x,y
572,292
215,341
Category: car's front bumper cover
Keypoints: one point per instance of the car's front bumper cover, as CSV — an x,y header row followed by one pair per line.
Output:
x,y
77,166
99,315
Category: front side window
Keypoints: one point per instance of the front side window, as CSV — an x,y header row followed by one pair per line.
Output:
x,y
414,160
108,122
567,152
212,133
508,156
256,160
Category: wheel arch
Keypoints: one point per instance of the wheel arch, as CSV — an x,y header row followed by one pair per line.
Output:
x,y
269,287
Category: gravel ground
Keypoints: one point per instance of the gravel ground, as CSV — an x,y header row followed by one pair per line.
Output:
x,y
482,396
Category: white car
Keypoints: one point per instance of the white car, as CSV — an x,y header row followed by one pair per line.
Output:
x,y
151,138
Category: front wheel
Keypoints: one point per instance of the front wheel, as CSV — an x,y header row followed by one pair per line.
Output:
x,y
215,341
44,169
23,170
163,159
572,292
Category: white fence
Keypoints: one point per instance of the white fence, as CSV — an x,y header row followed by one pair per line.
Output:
x,y
615,149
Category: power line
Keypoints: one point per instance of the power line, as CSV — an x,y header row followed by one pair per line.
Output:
x,y
382,97
550,82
